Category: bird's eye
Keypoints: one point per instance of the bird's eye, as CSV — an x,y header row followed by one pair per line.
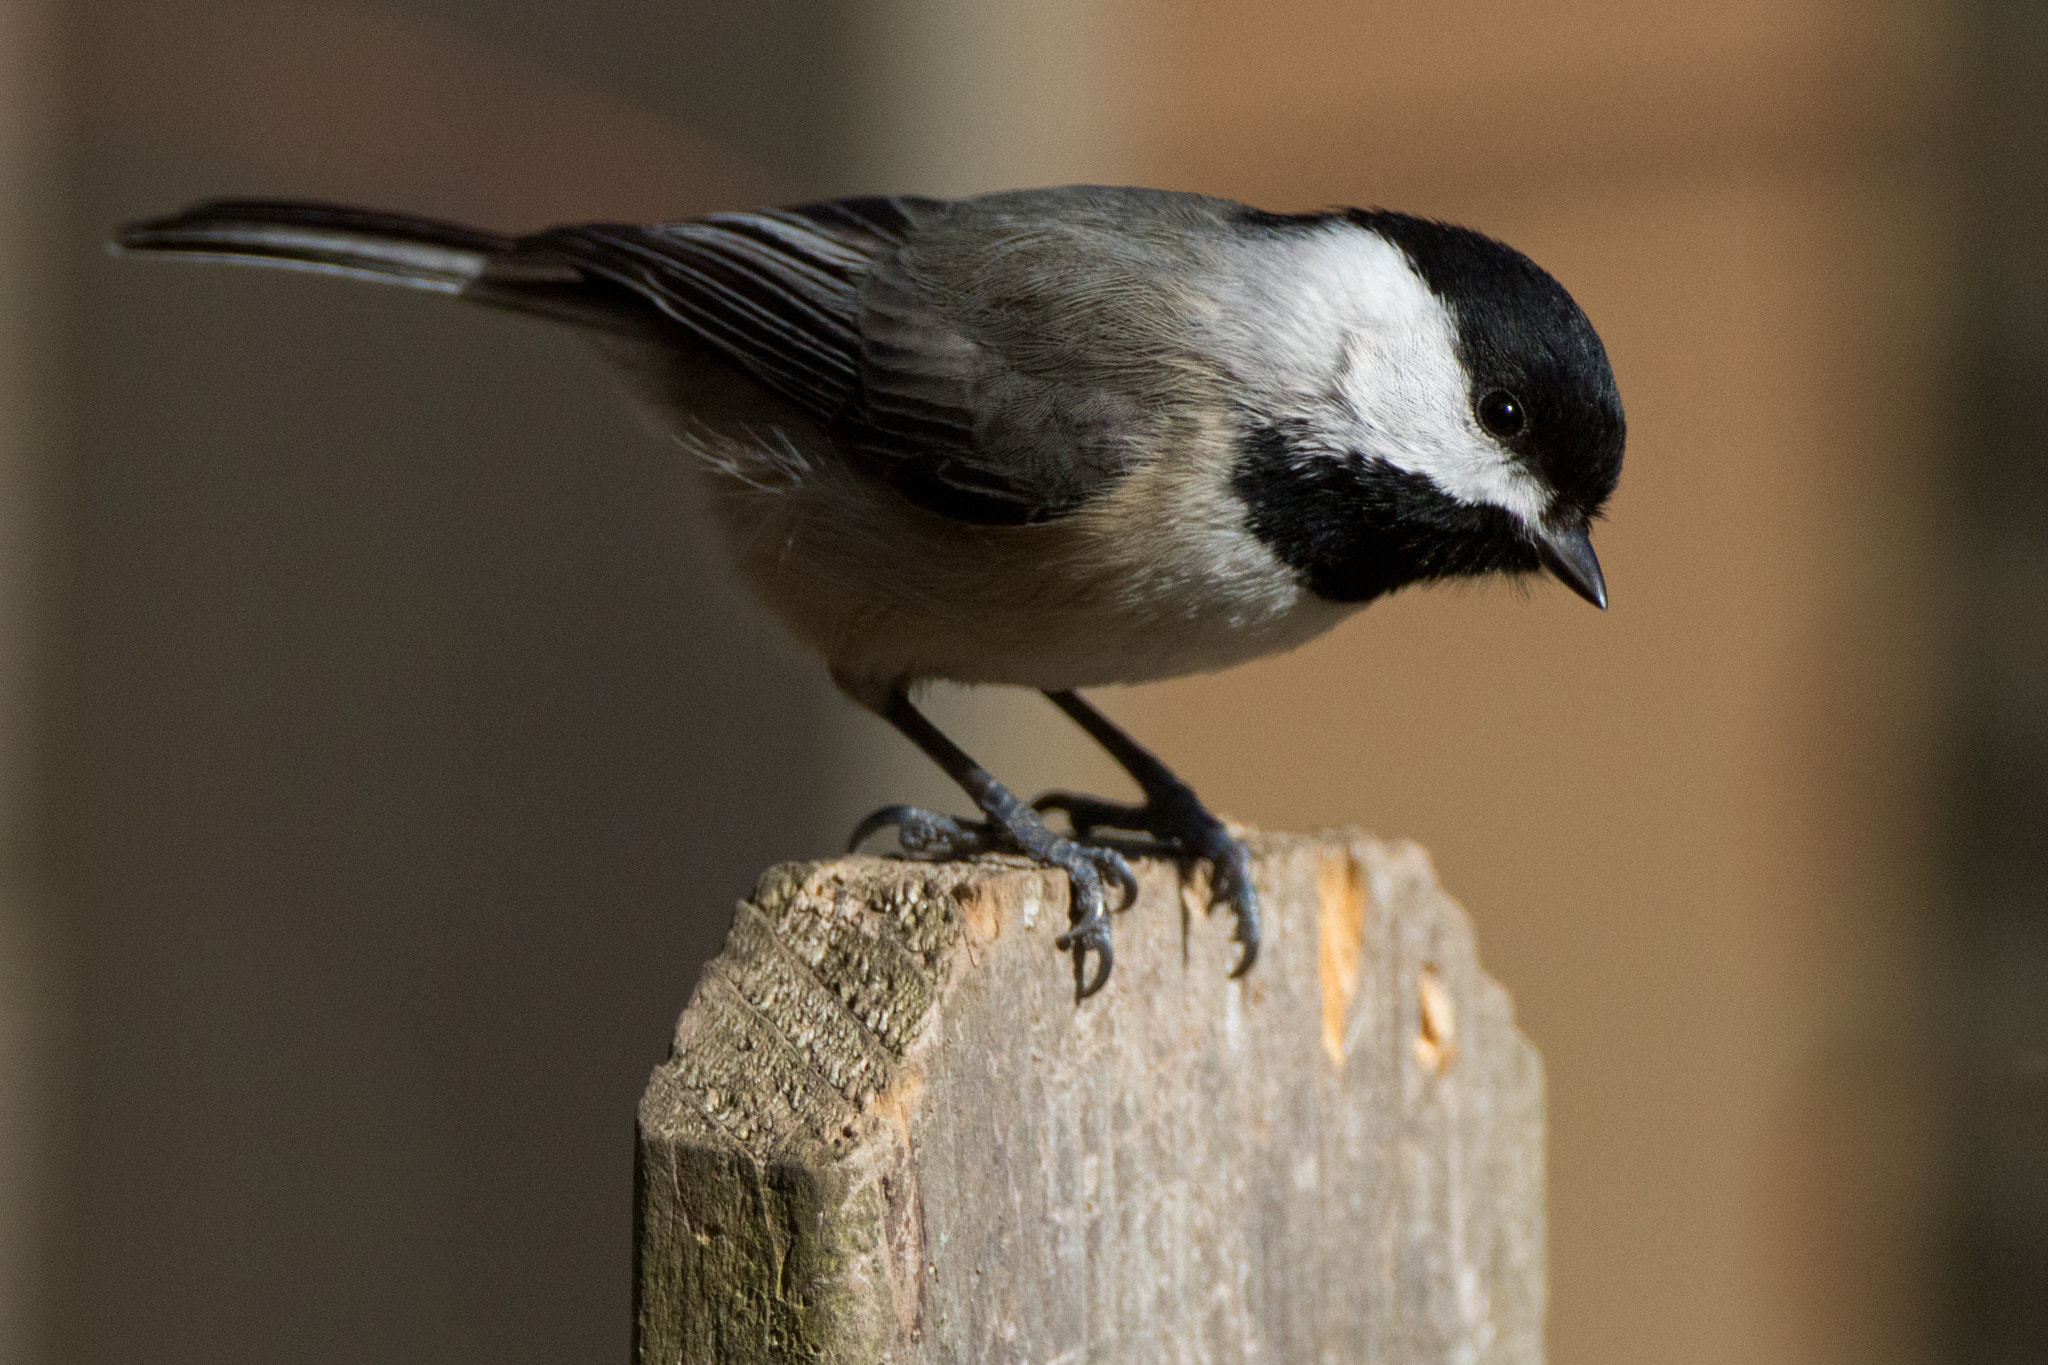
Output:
x,y
1500,412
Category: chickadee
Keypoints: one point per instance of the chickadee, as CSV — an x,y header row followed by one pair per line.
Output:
x,y
1058,439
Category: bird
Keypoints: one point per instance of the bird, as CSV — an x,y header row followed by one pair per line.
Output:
x,y
1056,439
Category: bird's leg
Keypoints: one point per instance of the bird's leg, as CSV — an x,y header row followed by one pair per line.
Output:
x,y
1012,826
1171,813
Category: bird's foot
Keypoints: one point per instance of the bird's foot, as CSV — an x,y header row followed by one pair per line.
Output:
x,y
1174,817
930,835
933,836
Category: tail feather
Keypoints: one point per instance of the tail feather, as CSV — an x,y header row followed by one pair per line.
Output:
x,y
326,238
386,248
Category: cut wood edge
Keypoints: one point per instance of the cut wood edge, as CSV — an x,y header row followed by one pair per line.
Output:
x,y
781,1213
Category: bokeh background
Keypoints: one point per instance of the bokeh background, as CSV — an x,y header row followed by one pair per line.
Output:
x,y
381,752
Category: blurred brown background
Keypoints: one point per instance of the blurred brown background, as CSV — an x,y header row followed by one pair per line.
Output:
x,y
381,756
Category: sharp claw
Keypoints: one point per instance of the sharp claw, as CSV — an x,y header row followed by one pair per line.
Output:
x,y
1088,872
1089,934
1128,880
924,833
1231,885
1105,957
1115,866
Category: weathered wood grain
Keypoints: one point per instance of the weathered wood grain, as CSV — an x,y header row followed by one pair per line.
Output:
x,y
887,1132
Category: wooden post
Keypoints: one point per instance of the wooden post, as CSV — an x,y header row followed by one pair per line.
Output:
x,y
887,1132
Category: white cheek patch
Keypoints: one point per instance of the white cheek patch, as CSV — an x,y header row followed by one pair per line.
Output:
x,y
1400,390
1409,397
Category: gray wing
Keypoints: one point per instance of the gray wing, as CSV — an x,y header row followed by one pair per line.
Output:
x,y
997,360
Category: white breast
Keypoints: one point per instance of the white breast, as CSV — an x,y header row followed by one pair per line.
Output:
x,y
1157,580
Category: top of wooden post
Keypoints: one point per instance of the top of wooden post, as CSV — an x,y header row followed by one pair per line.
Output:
x,y
888,1132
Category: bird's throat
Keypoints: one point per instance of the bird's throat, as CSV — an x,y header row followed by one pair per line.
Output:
x,y
1356,528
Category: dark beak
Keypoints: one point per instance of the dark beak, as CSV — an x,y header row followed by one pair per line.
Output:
x,y
1567,552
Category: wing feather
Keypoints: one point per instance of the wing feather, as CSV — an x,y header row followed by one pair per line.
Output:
x,y
775,291
987,359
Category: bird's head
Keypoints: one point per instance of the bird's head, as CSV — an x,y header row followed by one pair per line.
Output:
x,y
1435,406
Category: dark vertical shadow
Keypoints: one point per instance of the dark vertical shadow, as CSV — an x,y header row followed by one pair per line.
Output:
x,y
414,757
1998,1279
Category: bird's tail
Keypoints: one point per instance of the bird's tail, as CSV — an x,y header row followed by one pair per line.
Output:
x,y
388,248
327,238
